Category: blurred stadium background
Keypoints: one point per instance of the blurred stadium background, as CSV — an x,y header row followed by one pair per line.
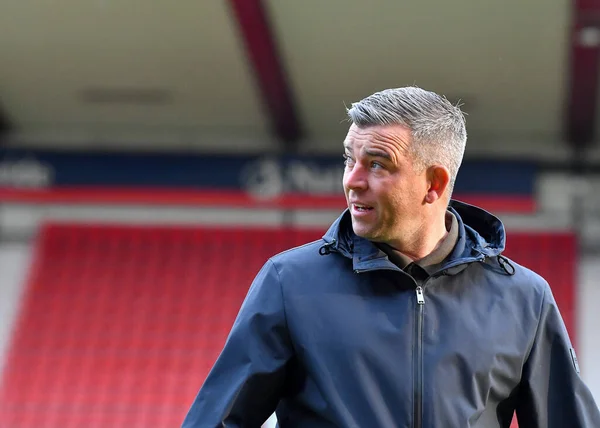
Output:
x,y
154,154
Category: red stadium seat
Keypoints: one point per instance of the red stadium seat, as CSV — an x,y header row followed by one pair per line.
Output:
x,y
120,324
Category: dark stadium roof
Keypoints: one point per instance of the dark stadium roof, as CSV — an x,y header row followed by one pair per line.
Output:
x,y
188,68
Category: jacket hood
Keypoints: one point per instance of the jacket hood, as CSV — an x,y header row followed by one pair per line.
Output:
x,y
480,233
483,231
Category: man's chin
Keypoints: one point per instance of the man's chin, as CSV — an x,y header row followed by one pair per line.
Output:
x,y
363,231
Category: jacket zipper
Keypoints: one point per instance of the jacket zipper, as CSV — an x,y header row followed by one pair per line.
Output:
x,y
418,380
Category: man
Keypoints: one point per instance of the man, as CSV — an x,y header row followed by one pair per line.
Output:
x,y
405,314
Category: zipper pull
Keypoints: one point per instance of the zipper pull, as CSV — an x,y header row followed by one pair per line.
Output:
x,y
420,297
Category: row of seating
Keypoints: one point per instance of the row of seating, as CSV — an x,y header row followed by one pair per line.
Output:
x,y
119,325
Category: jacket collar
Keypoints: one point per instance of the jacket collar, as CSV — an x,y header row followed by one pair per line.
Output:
x,y
480,235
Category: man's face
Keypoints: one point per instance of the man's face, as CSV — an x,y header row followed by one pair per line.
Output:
x,y
385,194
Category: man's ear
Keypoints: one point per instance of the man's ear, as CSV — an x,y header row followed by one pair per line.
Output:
x,y
438,178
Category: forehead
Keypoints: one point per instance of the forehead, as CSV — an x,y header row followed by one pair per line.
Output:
x,y
390,137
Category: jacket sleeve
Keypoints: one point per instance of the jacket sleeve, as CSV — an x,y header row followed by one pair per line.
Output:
x,y
552,393
245,383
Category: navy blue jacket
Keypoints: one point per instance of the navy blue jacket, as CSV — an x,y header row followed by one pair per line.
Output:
x,y
332,334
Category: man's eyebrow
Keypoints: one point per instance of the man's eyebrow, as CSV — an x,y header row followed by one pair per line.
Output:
x,y
378,154
348,148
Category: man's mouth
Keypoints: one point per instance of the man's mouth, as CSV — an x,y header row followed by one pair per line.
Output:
x,y
362,208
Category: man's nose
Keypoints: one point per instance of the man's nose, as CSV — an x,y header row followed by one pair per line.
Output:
x,y
355,178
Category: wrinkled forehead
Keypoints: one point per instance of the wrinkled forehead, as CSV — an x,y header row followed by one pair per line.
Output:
x,y
391,137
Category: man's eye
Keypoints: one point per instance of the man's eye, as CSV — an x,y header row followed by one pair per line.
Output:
x,y
348,160
376,165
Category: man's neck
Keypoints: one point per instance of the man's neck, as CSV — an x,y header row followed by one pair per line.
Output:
x,y
425,240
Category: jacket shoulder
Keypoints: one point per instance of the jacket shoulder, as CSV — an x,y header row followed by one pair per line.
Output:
x,y
527,278
306,261
302,253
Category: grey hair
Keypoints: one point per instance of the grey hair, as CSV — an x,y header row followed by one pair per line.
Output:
x,y
437,127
